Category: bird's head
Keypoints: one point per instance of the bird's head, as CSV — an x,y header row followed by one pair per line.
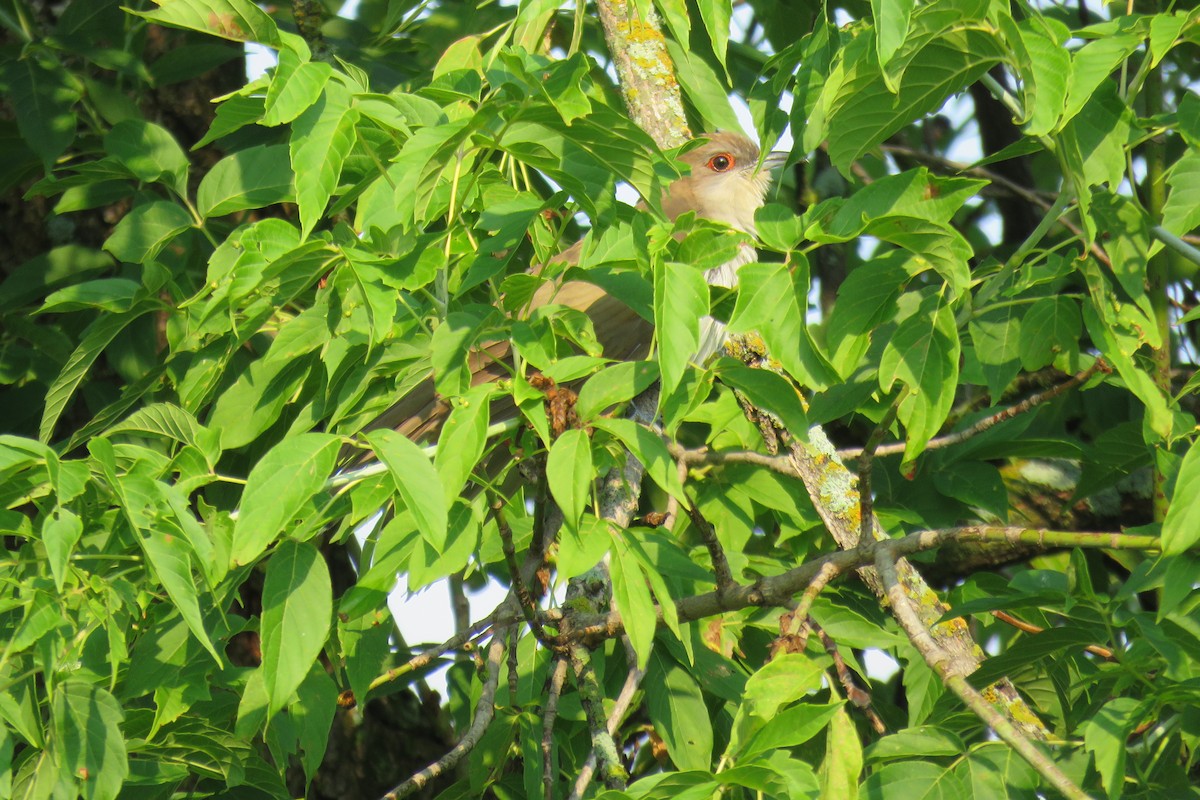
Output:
x,y
726,183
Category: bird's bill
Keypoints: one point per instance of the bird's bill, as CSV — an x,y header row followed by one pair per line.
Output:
x,y
775,159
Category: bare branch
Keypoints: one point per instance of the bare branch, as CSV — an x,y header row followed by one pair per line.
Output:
x,y
459,640
859,697
549,715
1028,404
717,553
778,590
1028,627
485,709
866,458
702,455
529,609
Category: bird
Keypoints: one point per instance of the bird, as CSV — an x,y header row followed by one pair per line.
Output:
x,y
726,183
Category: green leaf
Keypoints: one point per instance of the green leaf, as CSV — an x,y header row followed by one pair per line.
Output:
x,y
716,15
449,350
913,193
569,474
935,243
789,728
95,338
1105,735
772,301
678,712
294,88
239,20
946,51
115,295
923,355
43,97
923,741
649,448
461,442
255,401
417,482
703,88
783,680
914,780
866,300
581,548
997,771
168,556
1091,66
976,483
233,114
778,227
88,739
61,530
1181,528
32,280
252,178
676,14
996,334
1044,75
1181,214
843,759
1050,328
1100,135
1164,33
150,152
767,391
614,384
632,598
280,487
680,299
322,138
149,227
297,603
161,419
891,26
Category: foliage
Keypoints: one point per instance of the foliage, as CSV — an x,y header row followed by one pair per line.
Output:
x,y
190,390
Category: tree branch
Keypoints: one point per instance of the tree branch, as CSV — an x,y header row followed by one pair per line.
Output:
x,y
549,715
485,709
1028,404
778,590
950,668
620,706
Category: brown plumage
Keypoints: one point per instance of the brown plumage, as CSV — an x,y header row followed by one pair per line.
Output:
x,y
725,185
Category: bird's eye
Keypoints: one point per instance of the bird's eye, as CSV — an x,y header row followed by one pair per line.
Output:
x,y
722,162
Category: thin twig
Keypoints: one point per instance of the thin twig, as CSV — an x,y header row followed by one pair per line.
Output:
x,y
702,455
1029,627
860,697
866,458
942,663
1026,405
549,715
825,574
708,534
485,709
529,609
459,640
514,664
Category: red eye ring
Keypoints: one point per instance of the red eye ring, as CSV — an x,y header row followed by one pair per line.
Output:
x,y
721,162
